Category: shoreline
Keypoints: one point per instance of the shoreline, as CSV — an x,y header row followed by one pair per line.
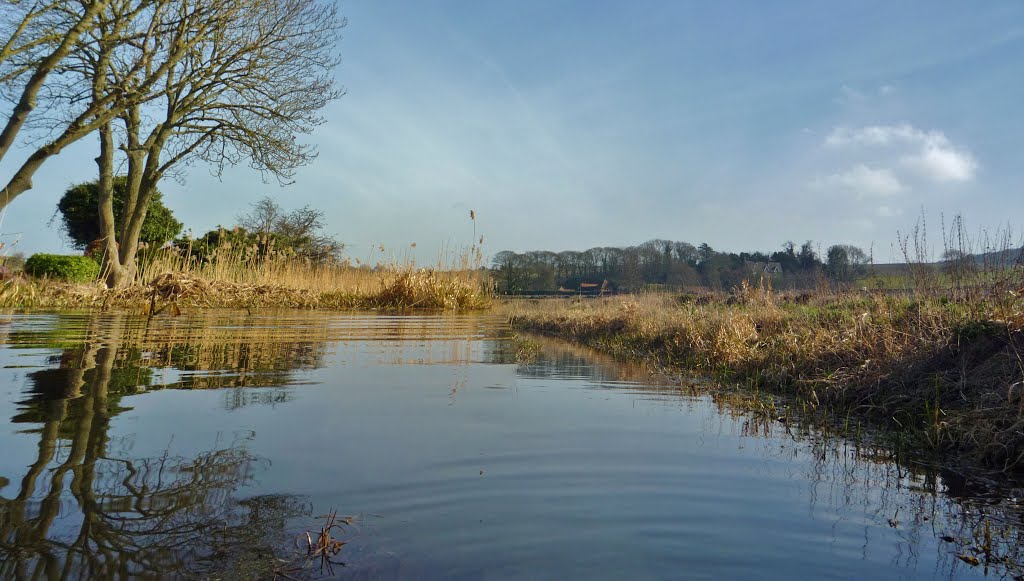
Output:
x,y
170,292
930,376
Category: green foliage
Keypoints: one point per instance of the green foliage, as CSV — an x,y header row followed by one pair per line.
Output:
x,y
269,231
787,258
63,267
846,263
299,232
807,257
79,209
238,240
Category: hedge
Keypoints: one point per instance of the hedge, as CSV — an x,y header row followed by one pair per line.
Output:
x,y
63,267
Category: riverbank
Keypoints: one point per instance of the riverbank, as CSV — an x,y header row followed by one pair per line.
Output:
x,y
941,374
398,289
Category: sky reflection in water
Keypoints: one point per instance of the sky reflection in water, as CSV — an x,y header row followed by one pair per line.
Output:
x,y
205,443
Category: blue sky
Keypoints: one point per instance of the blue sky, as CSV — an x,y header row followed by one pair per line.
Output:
x,y
568,125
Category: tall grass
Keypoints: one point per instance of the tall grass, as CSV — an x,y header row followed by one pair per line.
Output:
x,y
944,371
245,277
981,266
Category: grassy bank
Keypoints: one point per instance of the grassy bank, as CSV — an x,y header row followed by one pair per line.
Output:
x,y
247,278
403,288
944,373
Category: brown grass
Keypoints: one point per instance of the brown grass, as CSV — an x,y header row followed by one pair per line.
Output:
x,y
235,278
945,373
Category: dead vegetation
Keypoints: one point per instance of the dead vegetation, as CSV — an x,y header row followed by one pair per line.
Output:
x,y
403,289
322,550
945,374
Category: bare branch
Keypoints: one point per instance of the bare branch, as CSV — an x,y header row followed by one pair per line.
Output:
x,y
27,102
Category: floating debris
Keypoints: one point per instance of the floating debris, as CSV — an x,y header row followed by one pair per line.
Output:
x,y
325,547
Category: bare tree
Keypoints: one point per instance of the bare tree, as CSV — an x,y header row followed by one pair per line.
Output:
x,y
299,230
264,216
845,263
37,37
245,89
132,34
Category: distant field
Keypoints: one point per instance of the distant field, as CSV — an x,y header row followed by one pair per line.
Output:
x,y
907,276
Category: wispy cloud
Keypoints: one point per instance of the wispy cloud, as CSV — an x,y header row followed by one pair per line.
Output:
x,y
860,97
849,95
863,181
878,135
889,212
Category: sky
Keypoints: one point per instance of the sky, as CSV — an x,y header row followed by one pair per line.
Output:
x,y
566,125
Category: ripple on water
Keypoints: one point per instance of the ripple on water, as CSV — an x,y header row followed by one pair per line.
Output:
x,y
577,467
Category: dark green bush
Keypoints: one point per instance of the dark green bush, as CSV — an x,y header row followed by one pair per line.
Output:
x,y
63,267
79,209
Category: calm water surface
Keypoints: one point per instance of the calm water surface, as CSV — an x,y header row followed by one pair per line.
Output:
x,y
207,444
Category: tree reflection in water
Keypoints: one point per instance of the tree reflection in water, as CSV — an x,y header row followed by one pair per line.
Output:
x,y
85,509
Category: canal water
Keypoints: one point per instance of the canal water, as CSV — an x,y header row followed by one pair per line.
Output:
x,y
222,444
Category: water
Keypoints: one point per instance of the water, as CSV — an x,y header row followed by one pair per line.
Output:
x,y
208,444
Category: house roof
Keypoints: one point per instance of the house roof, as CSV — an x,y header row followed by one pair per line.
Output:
x,y
767,267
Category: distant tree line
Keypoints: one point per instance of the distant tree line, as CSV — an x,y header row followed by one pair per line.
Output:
x,y
675,265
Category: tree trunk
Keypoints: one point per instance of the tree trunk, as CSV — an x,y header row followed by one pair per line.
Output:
x,y
115,273
136,153
144,186
143,175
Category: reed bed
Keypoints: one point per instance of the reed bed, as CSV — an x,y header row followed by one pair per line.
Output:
x,y
247,279
945,372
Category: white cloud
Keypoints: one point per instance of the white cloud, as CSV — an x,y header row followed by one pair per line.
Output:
x,y
928,153
889,212
863,181
885,90
942,164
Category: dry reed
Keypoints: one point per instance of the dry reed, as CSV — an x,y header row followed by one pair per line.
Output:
x,y
949,372
244,278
